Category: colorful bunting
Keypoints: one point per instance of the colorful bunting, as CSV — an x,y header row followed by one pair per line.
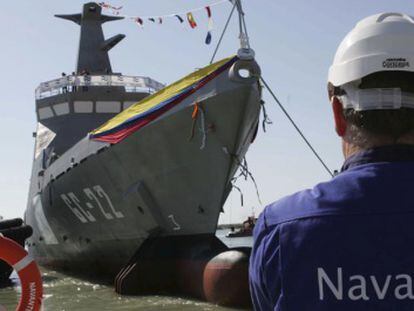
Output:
x,y
191,20
160,18
109,7
179,18
210,25
208,11
139,21
115,10
152,19
208,38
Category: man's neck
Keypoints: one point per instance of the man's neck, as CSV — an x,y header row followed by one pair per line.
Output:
x,y
350,149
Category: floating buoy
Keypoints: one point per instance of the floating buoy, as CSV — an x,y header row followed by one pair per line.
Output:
x,y
226,279
30,278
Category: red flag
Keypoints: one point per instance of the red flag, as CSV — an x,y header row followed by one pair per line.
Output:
x,y
139,21
208,11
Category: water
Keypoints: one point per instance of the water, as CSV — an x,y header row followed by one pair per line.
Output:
x,y
63,293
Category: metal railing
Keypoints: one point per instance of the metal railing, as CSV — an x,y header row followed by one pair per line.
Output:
x,y
68,84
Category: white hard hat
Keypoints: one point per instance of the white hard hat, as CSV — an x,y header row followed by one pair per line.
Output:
x,y
382,42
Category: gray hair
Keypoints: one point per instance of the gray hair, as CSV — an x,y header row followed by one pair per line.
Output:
x,y
367,129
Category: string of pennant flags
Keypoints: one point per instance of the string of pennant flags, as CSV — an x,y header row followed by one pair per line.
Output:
x,y
115,10
181,17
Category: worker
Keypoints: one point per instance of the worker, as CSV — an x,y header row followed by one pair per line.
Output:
x,y
347,244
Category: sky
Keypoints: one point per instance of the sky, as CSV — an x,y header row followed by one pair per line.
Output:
x,y
294,40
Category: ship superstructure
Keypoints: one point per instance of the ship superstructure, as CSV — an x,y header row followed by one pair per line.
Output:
x,y
75,104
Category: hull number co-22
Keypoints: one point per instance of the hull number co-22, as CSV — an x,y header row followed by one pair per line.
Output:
x,y
93,195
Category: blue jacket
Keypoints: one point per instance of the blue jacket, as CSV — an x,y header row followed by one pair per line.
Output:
x,y
345,245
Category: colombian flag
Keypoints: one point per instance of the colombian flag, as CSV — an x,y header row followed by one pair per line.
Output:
x,y
152,107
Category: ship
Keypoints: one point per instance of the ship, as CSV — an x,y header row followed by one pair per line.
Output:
x,y
125,167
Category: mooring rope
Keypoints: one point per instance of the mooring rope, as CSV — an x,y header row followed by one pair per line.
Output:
x,y
239,190
203,129
266,119
244,36
296,127
244,171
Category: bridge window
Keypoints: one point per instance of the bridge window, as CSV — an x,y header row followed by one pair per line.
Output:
x,y
108,107
61,109
83,106
45,113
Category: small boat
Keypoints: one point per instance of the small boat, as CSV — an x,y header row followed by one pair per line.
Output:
x,y
239,233
245,231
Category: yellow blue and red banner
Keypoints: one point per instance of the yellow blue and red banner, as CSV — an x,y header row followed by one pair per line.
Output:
x,y
152,107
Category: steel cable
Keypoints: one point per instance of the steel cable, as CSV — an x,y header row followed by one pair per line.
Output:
x,y
296,127
223,33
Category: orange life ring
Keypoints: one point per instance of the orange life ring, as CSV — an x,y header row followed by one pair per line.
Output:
x,y
29,274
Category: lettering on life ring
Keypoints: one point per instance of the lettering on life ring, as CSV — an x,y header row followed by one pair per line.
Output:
x,y
30,278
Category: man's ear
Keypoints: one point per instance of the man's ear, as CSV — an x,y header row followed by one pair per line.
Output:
x,y
338,110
